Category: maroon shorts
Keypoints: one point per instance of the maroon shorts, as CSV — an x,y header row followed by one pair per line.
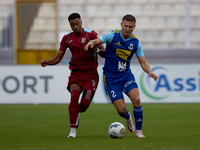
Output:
x,y
86,79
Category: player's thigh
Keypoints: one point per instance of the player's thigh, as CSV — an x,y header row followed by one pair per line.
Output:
x,y
129,83
91,82
90,85
74,82
75,86
114,92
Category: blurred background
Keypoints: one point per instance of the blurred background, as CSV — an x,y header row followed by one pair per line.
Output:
x,y
30,30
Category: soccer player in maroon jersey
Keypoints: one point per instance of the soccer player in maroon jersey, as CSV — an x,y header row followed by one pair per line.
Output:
x,y
83,65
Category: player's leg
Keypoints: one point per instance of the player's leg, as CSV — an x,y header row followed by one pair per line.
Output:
x,y
137,110
121,108
89,89
123,112
75,91
130,87
115,95
86,100
75,88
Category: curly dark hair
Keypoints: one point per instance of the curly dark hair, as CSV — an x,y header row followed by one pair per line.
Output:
x,y
74,16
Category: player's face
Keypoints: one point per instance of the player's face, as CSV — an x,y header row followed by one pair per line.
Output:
x,y
76,25
127,28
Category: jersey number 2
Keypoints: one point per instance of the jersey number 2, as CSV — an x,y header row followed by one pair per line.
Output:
x,y
113,93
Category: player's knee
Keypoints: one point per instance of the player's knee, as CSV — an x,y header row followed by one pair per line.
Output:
x,y
75,97
136,101
121,111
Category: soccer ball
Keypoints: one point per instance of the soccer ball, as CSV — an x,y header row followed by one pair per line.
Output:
x,y
116,130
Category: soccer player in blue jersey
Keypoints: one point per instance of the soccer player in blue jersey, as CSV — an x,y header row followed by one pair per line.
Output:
x,y
118,78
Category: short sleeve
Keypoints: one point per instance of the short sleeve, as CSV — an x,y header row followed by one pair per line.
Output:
x,y
93,35
63,45
139,51
107,37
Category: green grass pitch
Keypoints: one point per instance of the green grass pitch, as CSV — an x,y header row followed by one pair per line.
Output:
x,y
38,127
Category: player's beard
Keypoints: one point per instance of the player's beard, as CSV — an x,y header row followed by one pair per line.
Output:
x,y
78,31
127,34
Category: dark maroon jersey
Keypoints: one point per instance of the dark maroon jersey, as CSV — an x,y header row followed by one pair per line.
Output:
x,y
80,59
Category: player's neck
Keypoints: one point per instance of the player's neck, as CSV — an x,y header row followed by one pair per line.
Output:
x,y
79,32
125,36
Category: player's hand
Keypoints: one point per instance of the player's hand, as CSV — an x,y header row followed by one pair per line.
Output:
x,y
153,75
44,63
89,45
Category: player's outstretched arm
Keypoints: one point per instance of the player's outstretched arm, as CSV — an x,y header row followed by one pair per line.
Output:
x,y
92,44
53,61
145,66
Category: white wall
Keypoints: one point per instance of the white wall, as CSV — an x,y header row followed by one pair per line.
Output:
x,y
36,85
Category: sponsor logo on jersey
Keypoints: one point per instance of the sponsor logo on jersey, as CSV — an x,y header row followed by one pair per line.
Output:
x,y
118,43
122,53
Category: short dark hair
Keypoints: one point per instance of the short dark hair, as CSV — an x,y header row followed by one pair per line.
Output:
x,y
74,16
129,17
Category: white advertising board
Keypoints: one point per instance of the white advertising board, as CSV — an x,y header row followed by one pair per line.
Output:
x,y
38,85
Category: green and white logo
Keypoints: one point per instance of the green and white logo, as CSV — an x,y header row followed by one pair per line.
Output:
x,y
150,89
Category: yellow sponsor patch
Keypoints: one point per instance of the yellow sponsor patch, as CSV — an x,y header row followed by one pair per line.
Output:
x,y
124,54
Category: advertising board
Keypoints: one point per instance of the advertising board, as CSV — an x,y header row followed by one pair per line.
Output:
x,y
38,85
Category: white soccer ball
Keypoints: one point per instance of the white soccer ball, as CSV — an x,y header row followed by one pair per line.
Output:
x,y
116,130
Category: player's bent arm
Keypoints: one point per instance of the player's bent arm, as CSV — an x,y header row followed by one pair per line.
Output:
x,y
145,66
97,42
93,43
55,60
